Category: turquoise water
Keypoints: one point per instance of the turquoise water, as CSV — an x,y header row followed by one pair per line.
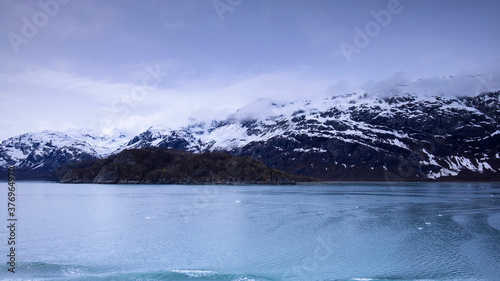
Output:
x,y
324,232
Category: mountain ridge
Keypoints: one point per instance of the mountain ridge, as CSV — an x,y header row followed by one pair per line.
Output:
x,y
346,137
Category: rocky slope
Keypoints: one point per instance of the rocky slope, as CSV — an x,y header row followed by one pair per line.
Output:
x,y
348,137
357,137
166,166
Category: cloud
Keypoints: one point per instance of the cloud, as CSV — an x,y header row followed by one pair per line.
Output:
x,y
483,79
59,99
35,80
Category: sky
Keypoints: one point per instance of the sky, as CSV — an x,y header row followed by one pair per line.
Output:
x,y
128,65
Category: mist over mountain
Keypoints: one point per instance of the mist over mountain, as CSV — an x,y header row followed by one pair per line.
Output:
x,y
453,86
344,137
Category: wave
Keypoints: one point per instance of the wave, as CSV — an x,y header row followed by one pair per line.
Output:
x,y
40,271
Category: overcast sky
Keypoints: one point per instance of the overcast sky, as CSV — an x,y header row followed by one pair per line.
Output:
x,y
128,64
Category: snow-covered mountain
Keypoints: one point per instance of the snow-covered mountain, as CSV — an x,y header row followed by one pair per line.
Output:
x,y
356,137
37,154
347,137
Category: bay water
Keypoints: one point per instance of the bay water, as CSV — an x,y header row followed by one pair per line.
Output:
x,y
345,231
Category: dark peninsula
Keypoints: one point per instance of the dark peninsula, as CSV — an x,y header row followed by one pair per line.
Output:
x,y
155,165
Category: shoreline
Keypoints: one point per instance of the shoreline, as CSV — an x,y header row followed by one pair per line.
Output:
x,y
263,183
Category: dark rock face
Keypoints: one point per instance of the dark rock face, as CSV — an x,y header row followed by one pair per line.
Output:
x,y
397,139
166,166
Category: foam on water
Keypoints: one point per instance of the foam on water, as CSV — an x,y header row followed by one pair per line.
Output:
x,y
48,271
195,273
